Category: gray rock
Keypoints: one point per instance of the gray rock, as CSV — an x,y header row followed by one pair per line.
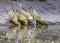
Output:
x,y
48,11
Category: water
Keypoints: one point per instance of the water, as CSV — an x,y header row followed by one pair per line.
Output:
x,y
26,35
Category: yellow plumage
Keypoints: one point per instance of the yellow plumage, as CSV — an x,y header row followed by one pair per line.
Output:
x,y
15,21
28,16
21,17
43,22
36,15
31,20
13,17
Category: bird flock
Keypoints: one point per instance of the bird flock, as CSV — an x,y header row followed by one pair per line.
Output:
x,y
25,18
23,22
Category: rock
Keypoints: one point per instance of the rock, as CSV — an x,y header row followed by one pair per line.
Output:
x,y
48,11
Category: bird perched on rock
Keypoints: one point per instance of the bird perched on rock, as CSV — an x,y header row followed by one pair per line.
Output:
x,y
36,15
43,25
28,16
43,22
13,18
22,19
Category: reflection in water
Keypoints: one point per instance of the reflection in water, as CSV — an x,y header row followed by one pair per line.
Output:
x,y
26,35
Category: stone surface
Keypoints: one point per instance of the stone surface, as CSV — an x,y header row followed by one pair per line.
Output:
x,y
49,11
